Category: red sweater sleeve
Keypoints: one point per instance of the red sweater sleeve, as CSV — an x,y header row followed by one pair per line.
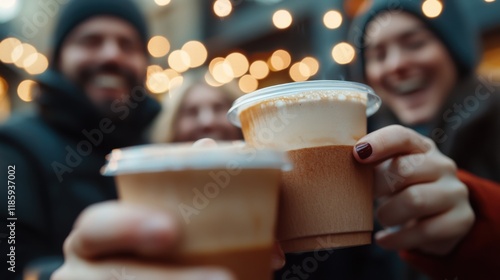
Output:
x,y
478,255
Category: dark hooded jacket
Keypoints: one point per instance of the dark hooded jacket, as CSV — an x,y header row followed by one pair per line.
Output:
x,y
55,154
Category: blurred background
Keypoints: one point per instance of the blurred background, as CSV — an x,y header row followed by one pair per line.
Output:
x,y
257,43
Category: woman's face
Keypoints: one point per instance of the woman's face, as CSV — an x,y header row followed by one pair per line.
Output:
x,y
203,114
409,67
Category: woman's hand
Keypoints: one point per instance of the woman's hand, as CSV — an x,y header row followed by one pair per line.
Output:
x,y
107,232
422,203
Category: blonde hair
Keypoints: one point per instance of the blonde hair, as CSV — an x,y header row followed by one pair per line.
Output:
x,y
163,130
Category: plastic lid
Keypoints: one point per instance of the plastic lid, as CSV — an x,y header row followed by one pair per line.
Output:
x,y
289,89
176,157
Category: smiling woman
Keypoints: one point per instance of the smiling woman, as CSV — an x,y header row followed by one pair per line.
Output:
x,y
197,110
423,68
410,68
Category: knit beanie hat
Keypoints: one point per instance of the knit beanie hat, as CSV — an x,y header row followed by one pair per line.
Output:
x,y
452,27
77,11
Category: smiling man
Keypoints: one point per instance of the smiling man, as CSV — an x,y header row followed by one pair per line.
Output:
x,y
106,57
91,100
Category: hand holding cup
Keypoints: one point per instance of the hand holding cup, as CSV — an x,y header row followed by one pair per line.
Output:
x,y
423,205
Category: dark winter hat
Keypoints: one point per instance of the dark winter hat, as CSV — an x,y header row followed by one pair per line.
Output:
x,y
77,11
452,27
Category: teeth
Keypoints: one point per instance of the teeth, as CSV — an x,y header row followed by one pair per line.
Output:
x,y
109,81
409,86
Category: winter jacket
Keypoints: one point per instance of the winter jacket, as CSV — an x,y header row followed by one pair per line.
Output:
x,y
55,154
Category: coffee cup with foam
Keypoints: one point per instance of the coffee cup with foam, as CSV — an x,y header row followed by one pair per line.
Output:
x,y
225,198
326,200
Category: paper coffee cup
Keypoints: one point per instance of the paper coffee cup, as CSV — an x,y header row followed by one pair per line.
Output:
x,y
327,199
226,198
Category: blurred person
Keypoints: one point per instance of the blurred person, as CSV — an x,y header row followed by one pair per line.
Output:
x,y
197,110
435,146
91,100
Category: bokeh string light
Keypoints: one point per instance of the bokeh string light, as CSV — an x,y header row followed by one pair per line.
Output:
x,y
158,46
197,53
162,2
25,90
282,19
432,8
223,8
343,53
332,19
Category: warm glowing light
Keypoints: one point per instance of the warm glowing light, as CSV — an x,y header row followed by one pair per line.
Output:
x,y
239,64
214,62
311,64
211,80
259,69
197,53
36,63
282,19
343,53
296,74
25,90
175,82
158,82
9,9
158,46
222,72
153,69
222,8
248,83
279,60
4,100
162,2
21,52
7,4
179,60
432,8
304,70
4,87
171,74
7,46
332,19
489,1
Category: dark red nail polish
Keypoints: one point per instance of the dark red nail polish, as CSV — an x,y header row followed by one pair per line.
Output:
x,y
364,150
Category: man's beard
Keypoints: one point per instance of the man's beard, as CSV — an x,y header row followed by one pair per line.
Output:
x,y
108,106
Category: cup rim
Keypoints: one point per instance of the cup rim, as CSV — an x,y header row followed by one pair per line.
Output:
x,y
152,158
245,101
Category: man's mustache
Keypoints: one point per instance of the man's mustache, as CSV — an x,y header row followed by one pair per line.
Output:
x,y
88,73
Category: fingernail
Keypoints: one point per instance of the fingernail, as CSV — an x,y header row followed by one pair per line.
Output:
x,y
156,223
381,234
153,231
364,150
277,262
387,231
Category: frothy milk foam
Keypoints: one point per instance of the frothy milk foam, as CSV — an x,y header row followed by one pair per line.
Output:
x,y
298,121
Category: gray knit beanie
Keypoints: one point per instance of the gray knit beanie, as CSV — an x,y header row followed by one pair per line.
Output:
x,y
452,27
77,11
